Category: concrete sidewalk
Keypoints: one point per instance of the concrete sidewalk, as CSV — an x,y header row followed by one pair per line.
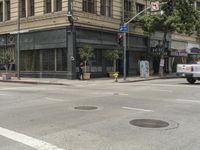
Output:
x,y
55,81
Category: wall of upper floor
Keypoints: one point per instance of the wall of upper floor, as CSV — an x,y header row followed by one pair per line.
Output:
x,y
41,20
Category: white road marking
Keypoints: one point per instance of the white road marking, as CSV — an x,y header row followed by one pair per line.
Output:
x,y
169,85
3,94
27,140
169,91
54,99
138,109
188,101
21,88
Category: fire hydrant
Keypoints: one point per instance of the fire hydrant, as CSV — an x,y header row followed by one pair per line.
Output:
x,y
116,75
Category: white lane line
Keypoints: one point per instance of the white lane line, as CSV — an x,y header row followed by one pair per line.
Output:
x,y
169,85
55,99
138,109
169,91
27,140
3,94
188,101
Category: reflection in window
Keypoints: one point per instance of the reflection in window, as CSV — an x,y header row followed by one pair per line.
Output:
x,y
89,6
106,7
47,6
1,11
7,9
58,5
139,7
31,7
22,8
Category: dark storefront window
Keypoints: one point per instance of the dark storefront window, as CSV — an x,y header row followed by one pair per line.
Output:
x,y
96,62
47,6
1,11
61,59
43,60
58,5
29,60
106,8
89,6
48,60
23,8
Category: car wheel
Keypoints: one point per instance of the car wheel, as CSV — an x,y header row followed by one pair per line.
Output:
x,y
191,80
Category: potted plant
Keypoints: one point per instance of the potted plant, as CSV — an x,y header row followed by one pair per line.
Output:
x,y
6,59
112,55
86,53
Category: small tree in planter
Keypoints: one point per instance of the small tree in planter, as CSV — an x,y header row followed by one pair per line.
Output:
x,y
86,53
112,55
6,58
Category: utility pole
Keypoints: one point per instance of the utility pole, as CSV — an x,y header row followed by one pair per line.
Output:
x,y
18,42
124,40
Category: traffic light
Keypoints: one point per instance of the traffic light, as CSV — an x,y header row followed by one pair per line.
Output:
x,y
120,38
169,6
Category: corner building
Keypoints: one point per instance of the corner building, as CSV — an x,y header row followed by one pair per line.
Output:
x,y
49,43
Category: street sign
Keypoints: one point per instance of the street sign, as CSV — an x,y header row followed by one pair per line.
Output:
x,y
123,29
155,6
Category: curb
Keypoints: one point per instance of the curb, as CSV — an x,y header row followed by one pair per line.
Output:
x,y
139,80
32,82
51,83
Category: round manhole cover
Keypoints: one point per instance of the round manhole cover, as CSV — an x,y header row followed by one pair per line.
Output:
x,y
86,107
149,123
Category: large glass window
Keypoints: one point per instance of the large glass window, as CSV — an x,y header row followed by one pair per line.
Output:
x,y
7,9
47,6
96,62
61,60
1,11
31,9
89,6
106,7
22,8
43,60
29,60
58,5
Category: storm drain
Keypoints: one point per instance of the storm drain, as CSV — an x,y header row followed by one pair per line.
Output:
x,y
85,107
149,123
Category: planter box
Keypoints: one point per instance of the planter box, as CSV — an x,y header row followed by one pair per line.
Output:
x,y
8,75
86,76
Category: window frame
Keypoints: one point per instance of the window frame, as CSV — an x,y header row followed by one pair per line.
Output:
x,y
31,8
89,6
58,5
106,8
7,10
47,6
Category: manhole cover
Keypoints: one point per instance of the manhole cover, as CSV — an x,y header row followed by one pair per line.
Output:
x,y
85,107
149,123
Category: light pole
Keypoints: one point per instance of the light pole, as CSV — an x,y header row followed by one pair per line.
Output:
x,y
18,41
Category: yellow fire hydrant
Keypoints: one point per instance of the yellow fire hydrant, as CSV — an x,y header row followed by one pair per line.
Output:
x,y
116,75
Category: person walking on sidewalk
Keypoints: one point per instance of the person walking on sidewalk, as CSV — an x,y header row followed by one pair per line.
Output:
x,y
81,71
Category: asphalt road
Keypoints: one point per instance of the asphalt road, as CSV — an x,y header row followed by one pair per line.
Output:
x,y
44,117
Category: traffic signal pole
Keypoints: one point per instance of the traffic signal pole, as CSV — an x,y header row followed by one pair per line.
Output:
x,y
124,40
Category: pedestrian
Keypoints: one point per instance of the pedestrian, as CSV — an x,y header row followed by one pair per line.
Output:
x,y
81,71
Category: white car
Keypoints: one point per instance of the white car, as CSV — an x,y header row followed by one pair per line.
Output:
x,y
189,71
